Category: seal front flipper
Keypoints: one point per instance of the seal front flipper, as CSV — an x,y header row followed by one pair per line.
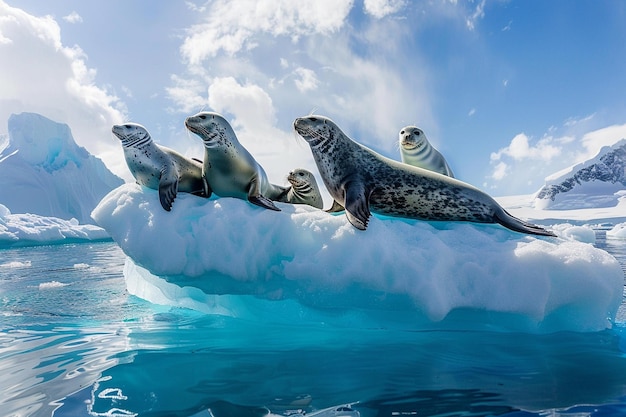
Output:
x,y
336,208
357,206
167,191
263,201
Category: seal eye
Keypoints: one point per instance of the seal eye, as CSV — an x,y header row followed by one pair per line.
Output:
x,y
127,126
313,119
301,174
203,117
402,133
417,133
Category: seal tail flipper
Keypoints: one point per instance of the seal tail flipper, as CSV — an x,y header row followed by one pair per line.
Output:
x,y
263,201
511,222
336,208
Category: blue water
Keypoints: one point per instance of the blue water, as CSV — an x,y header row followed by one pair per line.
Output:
x,y
74,343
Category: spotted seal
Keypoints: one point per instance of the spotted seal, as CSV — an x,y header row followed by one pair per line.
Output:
x,y
416,150
158,167
228,167
362,181
304,189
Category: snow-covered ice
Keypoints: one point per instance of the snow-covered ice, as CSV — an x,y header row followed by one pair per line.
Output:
x,y
31,229
227,256
617,232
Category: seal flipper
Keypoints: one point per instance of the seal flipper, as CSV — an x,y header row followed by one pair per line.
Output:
x,y
263,201
357,205
511,222
336,208
167,191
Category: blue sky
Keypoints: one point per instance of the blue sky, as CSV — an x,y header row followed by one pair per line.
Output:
x,y
509,91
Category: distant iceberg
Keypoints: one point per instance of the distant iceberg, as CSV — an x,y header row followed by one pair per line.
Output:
x,y
31,230
44,172
225,256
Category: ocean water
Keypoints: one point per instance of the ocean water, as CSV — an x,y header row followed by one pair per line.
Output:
x,y
73,343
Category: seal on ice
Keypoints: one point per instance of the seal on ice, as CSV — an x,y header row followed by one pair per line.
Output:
x,y
228,167
158,167
363,181
416,150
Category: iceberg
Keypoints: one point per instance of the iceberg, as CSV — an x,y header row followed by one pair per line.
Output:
x,y
31,230
44,172
226,256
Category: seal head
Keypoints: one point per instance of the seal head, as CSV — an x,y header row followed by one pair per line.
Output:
x,y
416,150
228,167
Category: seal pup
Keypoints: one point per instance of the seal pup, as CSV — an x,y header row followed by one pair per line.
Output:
x,y
362,181
304,189
158,167
228,167
416,150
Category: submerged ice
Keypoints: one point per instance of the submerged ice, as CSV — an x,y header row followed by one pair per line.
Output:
x,y
226,256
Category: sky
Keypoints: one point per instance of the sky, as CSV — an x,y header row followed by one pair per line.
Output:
x,y
508,91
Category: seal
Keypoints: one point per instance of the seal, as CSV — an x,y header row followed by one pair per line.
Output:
x,y
304,189
363,181
228,167
416,150
158,167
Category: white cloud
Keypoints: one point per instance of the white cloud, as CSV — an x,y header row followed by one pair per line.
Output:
x,y
307,80
523,162
231,24
188,94
499,171
64,89
73,18
471,112
479,13
382,8
520,148
595,140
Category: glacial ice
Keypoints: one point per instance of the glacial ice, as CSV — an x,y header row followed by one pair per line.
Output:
x,y
226,256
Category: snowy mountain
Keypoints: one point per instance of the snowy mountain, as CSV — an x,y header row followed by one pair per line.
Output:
x,y
596,183
43,171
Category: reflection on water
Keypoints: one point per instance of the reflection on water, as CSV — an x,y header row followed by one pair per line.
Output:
x,y
73,343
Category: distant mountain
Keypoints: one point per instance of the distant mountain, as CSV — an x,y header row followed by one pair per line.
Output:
x,y
595,183
43,171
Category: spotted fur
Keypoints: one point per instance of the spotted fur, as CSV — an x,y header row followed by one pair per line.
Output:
x,y
362,181
158,167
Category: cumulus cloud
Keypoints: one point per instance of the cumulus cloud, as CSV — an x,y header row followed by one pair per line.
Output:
x,y
231,25
520,148
382,8
307,80
479,13
528,162
64,89
73,18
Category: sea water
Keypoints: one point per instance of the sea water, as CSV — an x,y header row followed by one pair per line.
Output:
x,y
73,342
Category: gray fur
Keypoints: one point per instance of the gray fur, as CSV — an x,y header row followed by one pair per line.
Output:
x,y
416,150
228,167
362,181
158,167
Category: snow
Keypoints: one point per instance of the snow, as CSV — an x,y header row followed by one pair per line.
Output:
x,y
226,256
617,232
31,229
43,171
596,183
